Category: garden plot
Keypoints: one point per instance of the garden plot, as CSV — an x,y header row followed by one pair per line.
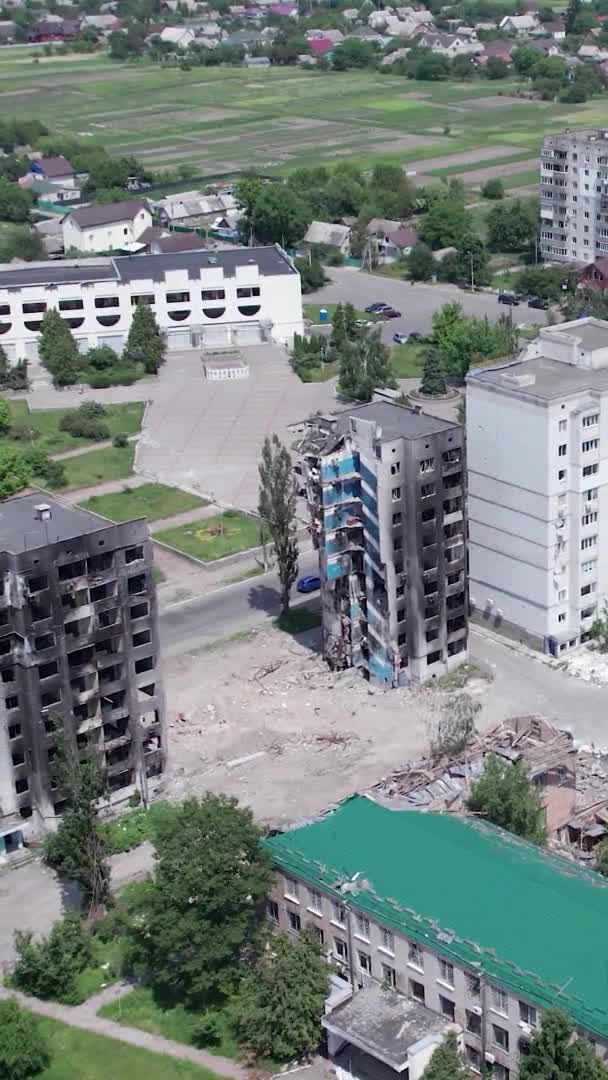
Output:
x,y
479,176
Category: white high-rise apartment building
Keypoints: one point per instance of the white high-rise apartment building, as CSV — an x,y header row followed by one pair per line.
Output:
x,y
574,196
537,450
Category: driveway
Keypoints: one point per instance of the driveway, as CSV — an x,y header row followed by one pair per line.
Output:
x,y
416,302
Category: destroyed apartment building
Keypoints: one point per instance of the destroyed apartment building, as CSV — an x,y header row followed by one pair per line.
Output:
x,y
573,782
385,489
79,652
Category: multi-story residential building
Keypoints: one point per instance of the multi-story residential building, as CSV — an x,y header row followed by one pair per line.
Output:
x,y
459,917
79,649
537,448
385,487
238,296
574,196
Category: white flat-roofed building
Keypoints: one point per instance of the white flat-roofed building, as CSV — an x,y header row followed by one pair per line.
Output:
x,y
208,299
537,451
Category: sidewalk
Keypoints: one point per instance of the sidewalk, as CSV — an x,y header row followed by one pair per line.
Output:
x,y
109,488
79,1016
198,514
77,451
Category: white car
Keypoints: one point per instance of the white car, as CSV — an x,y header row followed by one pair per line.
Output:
x,y
400,339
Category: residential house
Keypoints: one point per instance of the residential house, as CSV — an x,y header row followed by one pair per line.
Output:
x,y
399,243
499,50
519,25
546,46
54,29
193,209
411,908
111,227
181,37
326,234
105,24
257,61
595,275
449,45
335,36
44,191
321,46
287,11
393,57
593,52
55,170
245,39
7,31
554,29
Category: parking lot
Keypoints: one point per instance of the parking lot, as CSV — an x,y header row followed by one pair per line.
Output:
x,y
415,302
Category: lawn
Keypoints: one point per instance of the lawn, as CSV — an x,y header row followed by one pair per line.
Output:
x,y
131,829
120,419
139,1009
319,374
407,361
311,311
152,501
98,466
79,1055
298,620
217,536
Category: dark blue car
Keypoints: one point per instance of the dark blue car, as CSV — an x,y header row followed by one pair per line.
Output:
x,y
309,583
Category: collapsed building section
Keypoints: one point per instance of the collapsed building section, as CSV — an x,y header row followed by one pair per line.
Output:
x,y
79,651
385,489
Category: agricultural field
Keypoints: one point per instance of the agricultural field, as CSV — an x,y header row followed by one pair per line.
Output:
x,y
222,120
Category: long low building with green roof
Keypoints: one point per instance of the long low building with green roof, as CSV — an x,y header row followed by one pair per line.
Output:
x,y
464,919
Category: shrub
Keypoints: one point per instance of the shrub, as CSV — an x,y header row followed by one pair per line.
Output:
x,y
493,189
36,459
101,358
23,1048
54,474
84,424
23,433
207,1029
49,969
120,441
92,409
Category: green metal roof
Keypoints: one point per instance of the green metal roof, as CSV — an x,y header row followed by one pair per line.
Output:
x,y
529,920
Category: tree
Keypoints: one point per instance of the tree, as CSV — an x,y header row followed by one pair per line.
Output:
x,y
15,202
58,350
23,1048
364,364
277,1011
572,13
512,226
15,472
312,275
496,68
199,918
78,849
493,189
421,263
446,1062
5,416
445,225
505,796
5,367
543,281
601,857
49,969
599,629
433,379
280,216
456,727
22,242
277,509
145,340
558,1053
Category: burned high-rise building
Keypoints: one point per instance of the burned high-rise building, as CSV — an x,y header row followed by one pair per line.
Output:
x,y
386,492
78,649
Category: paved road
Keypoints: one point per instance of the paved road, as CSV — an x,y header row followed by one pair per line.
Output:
x,y
416,302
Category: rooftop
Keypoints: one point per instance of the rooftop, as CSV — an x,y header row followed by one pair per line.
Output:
x,y
54,166
527,919
56,273
395,421
384,1024
20,530
89,216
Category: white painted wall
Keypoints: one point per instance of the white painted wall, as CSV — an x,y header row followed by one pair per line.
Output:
x,y
110,237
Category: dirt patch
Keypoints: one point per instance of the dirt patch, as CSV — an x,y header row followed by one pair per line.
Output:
x,y
479,176
464,158
495,101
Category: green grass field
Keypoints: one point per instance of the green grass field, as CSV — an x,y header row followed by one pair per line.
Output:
x,y
76,1053
139,1009
311,311
215,537
153,501
97,466
406,360
120,419
221,119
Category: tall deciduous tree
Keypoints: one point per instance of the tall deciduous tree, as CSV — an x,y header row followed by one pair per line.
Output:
x,y
364,365
145,341
58,350
24,1052
505,796
78,850
421,263
277,509
280,216
15,472
200,916
555,1054
49,969
279,1005
446,1062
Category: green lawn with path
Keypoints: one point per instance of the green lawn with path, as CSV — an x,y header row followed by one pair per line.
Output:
x,y
81,1055
407,361
311,311
139,1009
214,537
152,501
120,420
98,466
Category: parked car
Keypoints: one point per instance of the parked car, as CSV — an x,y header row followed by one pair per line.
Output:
x,y
390,313
377,307
508,298
415,336
538,302
309,583
400,339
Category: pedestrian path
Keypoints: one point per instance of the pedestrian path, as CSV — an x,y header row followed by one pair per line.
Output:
x,y
77,451
79,1016
198,514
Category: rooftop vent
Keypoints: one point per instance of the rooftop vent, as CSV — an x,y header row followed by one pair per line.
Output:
x,y
42,512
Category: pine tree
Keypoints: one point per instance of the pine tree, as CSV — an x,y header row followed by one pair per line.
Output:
x,y
58,350
446,1062
145,342
433,381
4,367
555,1054
277,509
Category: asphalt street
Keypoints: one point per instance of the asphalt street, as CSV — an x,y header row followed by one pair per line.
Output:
x,y
417,303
